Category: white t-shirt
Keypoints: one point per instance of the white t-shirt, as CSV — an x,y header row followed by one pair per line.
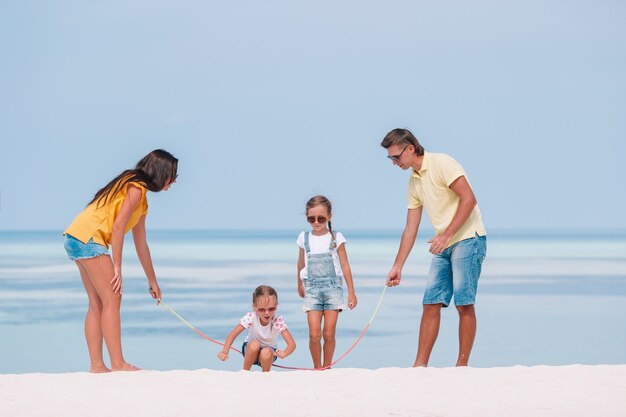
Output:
x,y
266,335
320,244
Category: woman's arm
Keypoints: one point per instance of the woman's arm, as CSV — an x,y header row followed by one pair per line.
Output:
x,y
133,197
347,274
223,355
143,253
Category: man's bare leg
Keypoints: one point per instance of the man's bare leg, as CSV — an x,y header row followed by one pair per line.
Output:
x,y
429,330
467,332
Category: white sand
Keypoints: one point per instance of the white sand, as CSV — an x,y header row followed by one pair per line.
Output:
x,y
575,390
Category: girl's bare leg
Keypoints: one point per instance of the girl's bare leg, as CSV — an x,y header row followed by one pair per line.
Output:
x,y
266,357
253,349
93,330
330,326
314,319
100,271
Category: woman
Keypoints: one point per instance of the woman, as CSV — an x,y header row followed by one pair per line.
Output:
x,y
115,209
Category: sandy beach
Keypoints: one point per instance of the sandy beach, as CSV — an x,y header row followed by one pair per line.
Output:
x,y
574,390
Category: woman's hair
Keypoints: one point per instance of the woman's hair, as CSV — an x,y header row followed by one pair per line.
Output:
x,y
320,200
400,137
263,291
155,171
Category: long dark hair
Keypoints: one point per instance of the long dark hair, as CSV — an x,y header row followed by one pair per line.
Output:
x,y
323,201
154,171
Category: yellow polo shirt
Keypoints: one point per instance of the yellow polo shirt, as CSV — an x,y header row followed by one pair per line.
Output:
x,y
430,187
97,222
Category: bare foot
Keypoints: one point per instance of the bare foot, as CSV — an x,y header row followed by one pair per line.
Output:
x,y
125,367
99,369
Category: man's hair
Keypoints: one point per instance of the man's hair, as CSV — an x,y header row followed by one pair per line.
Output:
x,y
400,137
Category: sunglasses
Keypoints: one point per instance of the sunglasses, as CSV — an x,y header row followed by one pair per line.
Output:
x,y
398,156
319,219
266,310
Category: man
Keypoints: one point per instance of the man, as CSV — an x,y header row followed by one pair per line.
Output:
x,y
439,184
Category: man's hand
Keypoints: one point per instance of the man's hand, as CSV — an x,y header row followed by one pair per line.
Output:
x,y
438,244
393,277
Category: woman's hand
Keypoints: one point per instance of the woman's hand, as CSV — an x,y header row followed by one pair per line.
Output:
x,y
155,291
300,289
222,356
116,282
279,353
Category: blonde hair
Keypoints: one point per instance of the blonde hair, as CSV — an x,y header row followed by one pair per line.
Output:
x,y
263,291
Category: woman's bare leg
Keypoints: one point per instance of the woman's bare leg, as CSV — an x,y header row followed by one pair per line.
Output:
x,y
93,330
100,271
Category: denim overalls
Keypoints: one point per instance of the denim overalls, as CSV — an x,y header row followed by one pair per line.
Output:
x,y
323,289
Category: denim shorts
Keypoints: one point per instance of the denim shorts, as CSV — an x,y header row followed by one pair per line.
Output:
x,y
322,294
243,353
78,250
455,271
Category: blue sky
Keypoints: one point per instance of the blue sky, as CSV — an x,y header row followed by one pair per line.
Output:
x,y
268,103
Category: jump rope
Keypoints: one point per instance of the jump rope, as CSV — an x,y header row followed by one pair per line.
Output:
x,y
358,339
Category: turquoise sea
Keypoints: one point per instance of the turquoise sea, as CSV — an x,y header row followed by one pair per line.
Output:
x,y
544,299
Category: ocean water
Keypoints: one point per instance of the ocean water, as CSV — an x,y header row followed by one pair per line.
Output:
x,y
543,300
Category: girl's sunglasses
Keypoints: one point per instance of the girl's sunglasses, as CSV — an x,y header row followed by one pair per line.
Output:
x,y
319,219
266,310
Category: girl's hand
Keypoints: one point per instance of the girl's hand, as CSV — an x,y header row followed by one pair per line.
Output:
x,y
352,300
116,282
222,356
155,291
300,289
279,353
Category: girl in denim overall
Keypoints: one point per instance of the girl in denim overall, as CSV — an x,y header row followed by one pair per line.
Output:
x,y
322,262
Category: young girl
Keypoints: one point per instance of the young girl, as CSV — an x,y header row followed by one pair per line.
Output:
x,y
260,346
115,209
322,262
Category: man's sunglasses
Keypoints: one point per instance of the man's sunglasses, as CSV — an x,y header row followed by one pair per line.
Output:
x,y
398,156
319,219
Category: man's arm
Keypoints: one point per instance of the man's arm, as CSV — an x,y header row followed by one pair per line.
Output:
x,y
413,219
466,204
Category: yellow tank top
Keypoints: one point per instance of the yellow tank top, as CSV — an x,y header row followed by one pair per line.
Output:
x,y
97,222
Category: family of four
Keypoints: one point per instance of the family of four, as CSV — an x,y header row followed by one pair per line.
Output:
x,y
437,184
